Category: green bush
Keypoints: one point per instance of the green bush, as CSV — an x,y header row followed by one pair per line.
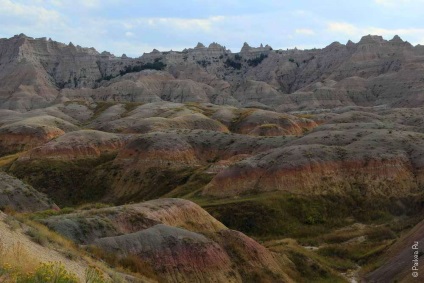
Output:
x,y
233,64
53,272
37,236
94,275
256,61
157,65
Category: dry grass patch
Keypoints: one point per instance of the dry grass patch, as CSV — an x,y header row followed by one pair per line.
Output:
x,y
18,263
7,160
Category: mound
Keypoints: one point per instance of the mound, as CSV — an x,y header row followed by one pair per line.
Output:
x,y
267,123
31,132
176,238
21,197
78,145
86,226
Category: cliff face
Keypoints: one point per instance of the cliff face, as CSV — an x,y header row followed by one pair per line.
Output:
x,y
39,72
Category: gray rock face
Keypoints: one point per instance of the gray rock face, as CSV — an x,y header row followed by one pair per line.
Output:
x,y
36,73
21,197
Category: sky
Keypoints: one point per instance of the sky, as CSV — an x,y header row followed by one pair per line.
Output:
x,y
135,27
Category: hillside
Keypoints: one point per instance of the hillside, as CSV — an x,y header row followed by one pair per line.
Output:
x,y
205,165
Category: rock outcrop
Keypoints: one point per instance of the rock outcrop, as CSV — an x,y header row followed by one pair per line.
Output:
x,y
18,196
38,72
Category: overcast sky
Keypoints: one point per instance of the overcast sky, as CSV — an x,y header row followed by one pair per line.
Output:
x,y
134,27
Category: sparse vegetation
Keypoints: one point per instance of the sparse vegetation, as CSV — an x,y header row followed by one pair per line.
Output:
x,y
256,61
203,63
67,182
232,64
276,215
48,272
156,65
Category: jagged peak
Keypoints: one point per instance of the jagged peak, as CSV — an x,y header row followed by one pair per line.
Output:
x,y
335,44
246,47
199,45
396,39
399,41
215,45
105,53
367,39
21,35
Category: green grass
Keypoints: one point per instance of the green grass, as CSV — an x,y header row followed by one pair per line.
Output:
x,y
308,265
155,183
100,108
68,182
194,184
278,214
275,215
50,212
130,106
344,257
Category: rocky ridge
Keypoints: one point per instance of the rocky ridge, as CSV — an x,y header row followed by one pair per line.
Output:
x,y
365,74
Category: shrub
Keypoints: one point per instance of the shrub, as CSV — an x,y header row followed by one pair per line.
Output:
x,y
37,236
230,63
157,65
137,265
48,272
203,63
381,234
256,61
94,275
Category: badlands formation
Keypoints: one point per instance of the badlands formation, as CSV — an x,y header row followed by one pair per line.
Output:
x,y
205,165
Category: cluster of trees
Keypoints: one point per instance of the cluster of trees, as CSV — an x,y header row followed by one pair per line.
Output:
x,y
236,63
256,61
231,63
203,63
156,65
